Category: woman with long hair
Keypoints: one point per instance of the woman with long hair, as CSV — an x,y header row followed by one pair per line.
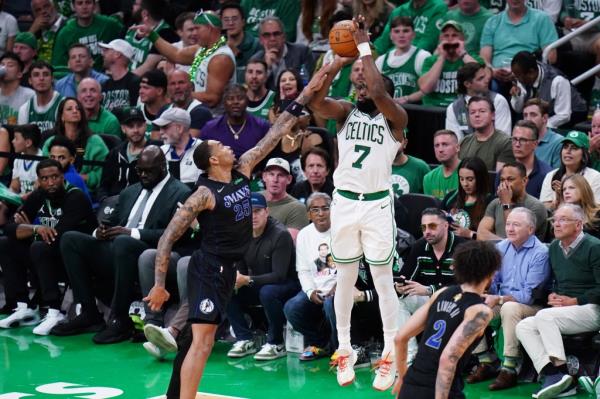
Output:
x,y
574,159
467,204
575,189
72,124
313,24
376,13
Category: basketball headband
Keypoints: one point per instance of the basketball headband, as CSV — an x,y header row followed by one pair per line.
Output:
x,y
207,18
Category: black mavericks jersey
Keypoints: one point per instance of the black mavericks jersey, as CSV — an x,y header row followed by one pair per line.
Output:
x,y
226,230
445,315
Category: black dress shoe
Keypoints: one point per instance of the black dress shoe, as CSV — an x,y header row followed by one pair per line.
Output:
x,y
117,330
86,322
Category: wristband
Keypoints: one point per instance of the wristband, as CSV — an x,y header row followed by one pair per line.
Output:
x,y
153,36
364,49
295,108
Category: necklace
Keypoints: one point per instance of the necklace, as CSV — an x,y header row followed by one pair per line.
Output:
x,y
202,55
236,133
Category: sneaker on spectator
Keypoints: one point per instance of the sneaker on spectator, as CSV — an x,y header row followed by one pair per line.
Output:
x,y
271,352
344,361
154,350
117,330
53,317
313,353
242,348
160,337
21,316
83,323
555,386
385,373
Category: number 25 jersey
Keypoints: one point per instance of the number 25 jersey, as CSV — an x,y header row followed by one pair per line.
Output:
x,y
367,149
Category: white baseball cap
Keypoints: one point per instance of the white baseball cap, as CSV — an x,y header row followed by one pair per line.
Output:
x,y
121,46
280,163
173,115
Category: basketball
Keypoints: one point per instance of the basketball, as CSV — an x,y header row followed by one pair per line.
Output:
x,y
341,40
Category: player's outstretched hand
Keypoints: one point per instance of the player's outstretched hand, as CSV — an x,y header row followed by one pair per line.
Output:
x,y
157,297
316,82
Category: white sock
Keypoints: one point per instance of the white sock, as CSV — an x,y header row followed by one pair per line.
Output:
x,y
388,304
344,301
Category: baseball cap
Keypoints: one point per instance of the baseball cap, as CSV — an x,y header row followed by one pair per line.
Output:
x,y
27,38
580,139
453,24
173,115
156,78
280,163
258,200
121,46
129,114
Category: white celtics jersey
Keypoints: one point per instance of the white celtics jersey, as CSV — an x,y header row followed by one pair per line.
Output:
x,y
200,82
367,149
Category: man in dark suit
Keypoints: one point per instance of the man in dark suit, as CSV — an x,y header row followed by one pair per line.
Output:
x,y
104,264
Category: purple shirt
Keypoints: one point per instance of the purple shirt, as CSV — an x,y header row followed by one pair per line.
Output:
x,y
217,129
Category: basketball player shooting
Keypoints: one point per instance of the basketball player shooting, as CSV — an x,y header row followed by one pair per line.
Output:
x,y
362,211
452,322
221,205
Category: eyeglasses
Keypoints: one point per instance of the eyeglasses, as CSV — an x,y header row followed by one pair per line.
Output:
x,y
562,221
316,210
521,140
230,19
430,226
267,35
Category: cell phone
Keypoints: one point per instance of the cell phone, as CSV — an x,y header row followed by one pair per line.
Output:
x,y
400,280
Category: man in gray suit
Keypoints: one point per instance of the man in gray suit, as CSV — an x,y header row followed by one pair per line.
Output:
x,y
104,264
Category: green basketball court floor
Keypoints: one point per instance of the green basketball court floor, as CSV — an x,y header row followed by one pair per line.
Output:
x,y
73,367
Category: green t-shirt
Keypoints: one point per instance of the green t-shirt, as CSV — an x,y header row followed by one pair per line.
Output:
x,y
472,25
105,123
141,46
426,20
288,11
438,185
102,29
446,89
262,110
408,178
497,148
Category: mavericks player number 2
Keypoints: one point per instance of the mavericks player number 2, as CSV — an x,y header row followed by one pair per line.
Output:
x,y
435,341
364,151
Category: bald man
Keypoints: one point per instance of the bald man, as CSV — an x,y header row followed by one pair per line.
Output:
x,y
109,256
179,89
100,120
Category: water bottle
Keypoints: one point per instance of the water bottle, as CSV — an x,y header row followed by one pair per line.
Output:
x,y
304,75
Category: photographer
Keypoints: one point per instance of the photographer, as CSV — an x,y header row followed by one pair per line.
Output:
x,y
438,81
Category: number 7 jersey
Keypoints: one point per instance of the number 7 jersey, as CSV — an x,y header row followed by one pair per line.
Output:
x,y
367,148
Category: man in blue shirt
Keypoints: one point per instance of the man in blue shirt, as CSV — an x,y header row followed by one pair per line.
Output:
x,y
525,268
80,65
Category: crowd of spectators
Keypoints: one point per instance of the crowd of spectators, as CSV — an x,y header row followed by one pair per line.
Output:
x,y
103,107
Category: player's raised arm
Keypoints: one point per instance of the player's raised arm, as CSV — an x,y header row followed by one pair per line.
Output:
x,y
476,319
200,200
283,125
329,108
391,110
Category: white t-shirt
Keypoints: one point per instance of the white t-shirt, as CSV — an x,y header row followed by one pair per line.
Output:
x,y
312,250
188,172
181,67
591,175
24,170
8,28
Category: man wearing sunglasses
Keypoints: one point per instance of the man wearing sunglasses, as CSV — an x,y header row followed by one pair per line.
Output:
x,y
427,268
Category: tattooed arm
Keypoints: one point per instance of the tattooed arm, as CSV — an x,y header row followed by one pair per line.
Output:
x,y
202,199
282,126
475,321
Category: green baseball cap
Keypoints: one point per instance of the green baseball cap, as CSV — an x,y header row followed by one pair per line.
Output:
x,y
453,24
580,139
27,38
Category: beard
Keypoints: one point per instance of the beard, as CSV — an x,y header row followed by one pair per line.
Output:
x,y
366,106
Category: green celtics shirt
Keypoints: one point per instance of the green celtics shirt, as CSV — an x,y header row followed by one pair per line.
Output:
x,y
141,46
408,178
582,9
44,117
426,20
102,29
403,70
105,123
445,91
261,108
286,10
437,185
472,25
